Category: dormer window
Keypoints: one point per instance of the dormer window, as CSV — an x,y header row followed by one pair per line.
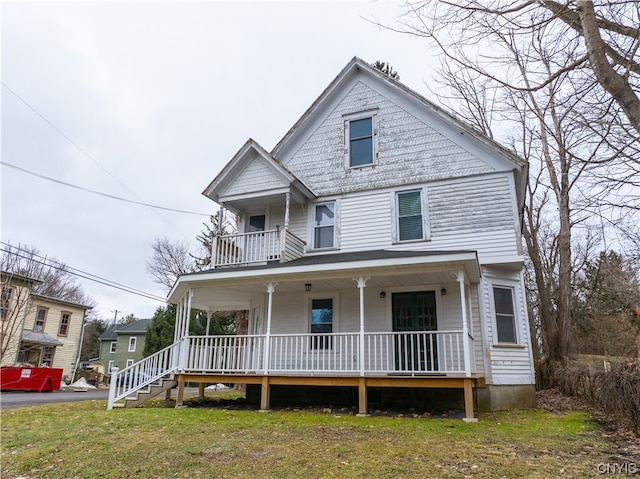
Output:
x,y
360,140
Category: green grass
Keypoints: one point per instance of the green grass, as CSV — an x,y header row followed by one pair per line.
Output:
x,y
83,440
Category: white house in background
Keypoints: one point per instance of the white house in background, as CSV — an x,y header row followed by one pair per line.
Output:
x,y
378,252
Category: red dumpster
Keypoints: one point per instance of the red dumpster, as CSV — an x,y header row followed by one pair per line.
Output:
x,y
18,378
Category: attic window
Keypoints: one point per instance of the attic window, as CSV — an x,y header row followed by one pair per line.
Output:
x,y
360,140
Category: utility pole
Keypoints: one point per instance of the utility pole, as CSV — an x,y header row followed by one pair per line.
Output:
x,y
115,315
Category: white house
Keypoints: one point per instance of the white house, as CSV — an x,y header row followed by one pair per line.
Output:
x,y
378,248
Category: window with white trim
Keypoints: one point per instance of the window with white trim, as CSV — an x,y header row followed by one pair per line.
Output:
x,y
132,344
360,139
129,362
5,301
324,225
409,211
504,305
321,323
110,366
114,345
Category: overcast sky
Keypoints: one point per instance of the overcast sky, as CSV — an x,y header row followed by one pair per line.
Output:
x,y
148,101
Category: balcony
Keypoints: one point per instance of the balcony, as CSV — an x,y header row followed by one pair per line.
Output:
x,y
257,247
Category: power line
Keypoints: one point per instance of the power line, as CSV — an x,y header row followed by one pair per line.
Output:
x,y
26,103
43,260
107,195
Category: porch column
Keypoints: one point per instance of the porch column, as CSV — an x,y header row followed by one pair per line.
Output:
x,y
183,312
287,205
465,327
362,283
271,287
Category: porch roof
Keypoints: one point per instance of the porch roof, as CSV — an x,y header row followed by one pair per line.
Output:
x,y
39,338
235,287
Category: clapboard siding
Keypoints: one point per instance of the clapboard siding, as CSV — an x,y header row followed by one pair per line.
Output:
x,y
481,204
468,222
509,365
365,221
403,139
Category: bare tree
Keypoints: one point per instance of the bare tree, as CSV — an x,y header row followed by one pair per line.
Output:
x,y
25,271
169,261
523,74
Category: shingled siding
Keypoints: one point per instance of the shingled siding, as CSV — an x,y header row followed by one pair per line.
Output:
x,y
256,176
403,139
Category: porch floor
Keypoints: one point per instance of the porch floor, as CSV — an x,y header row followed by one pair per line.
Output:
x,y
428,381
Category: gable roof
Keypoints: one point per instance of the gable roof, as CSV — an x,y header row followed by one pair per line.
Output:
x,y
113,330
440,120
275,177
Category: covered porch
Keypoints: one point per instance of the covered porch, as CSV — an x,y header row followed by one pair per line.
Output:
x,y
397,319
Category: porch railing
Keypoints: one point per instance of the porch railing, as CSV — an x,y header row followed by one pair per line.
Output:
x,y
256,247
415,352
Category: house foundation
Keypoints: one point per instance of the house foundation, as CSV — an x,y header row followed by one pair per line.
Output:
x,y
504,397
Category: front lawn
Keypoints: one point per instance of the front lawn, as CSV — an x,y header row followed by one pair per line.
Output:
x,y
84,440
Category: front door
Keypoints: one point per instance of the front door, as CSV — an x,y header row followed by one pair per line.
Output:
x,y
255,248
413,312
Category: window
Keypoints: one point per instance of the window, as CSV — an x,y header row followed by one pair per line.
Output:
x,y
114,345
410,216
257,223
47,356
129,362
324,225
321,322
505,316
5,301
63,330
361,142
132,343
111,364
41,317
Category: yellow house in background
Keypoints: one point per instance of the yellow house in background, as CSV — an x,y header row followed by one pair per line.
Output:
x,y
47,332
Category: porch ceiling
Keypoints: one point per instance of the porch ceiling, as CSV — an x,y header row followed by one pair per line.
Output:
x,y
237,288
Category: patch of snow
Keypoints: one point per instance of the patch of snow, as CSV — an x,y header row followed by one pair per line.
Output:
x,y
216,387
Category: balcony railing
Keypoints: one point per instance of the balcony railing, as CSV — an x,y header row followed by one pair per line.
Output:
x,y
256,247
419,352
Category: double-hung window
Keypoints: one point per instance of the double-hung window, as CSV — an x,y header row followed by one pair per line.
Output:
x,y
505,315
132,344
410,223
324,225
360,139
113,347
41,317
321,323
5,301
63,329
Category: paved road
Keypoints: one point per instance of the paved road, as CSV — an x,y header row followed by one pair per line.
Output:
x,y
15,399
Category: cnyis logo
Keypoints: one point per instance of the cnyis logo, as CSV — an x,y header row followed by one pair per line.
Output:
x,y
618,468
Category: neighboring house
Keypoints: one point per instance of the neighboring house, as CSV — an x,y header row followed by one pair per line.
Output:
x,y
121,345
47,331
378,250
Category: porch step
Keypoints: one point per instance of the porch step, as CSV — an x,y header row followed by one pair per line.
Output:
x,y
149,392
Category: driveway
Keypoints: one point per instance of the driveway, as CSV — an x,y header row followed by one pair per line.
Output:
x,y
16,399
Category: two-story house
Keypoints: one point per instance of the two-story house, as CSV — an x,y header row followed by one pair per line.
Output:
x,y
378,251
121,345
44,331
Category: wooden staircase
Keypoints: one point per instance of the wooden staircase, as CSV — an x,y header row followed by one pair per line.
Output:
x,y
150,391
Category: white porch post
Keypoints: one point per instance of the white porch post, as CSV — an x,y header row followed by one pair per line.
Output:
x,y
271,287
362,283
465,327
287,206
